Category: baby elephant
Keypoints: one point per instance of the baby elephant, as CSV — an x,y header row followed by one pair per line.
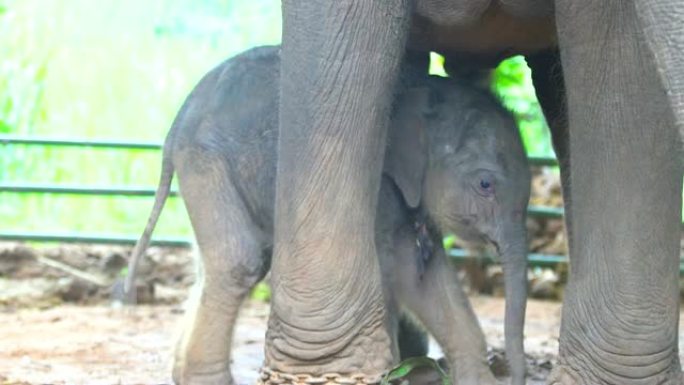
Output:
x,y
454,163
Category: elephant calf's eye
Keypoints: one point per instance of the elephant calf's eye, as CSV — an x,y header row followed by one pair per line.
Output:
x,y
486,187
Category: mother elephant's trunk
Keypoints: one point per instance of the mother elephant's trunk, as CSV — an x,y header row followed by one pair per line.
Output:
x,y
513,252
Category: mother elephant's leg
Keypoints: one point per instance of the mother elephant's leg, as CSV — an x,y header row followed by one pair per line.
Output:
x,y
339,66
620,315
661,23
547,76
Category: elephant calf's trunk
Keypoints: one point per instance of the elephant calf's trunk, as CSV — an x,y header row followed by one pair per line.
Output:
x,y
515,280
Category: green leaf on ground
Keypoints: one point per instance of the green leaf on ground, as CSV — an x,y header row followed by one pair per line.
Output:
x,y
407,366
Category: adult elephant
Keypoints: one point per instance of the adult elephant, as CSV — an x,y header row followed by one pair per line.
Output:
x,y
609,76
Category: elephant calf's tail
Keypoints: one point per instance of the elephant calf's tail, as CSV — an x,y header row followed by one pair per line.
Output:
x,y
163,190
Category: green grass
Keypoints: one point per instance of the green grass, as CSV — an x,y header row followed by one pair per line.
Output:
x,y
120,69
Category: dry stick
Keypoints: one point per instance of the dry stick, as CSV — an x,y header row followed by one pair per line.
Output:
x,y
92,278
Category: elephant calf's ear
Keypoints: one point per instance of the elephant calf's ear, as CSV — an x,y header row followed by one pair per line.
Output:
x,y
407,155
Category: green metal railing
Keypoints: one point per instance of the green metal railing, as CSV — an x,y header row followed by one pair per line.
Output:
x,y
79,190
43,141
90,238
26,188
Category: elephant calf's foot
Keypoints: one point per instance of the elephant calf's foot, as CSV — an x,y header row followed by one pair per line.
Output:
x,y
188,374
471,372
189,369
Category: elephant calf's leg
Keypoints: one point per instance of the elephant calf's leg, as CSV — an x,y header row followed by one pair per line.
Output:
x,y
231,264
440,303
413,340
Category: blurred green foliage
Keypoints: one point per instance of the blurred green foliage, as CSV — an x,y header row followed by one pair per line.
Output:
x,y
116,69
261,292
512,82
120,69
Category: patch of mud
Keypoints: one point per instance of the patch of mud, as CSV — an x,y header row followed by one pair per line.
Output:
x,y
103,345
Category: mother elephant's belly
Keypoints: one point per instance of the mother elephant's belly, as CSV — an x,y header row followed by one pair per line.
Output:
x,y
490,36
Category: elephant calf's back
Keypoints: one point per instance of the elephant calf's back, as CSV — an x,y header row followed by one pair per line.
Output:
x,y
232,115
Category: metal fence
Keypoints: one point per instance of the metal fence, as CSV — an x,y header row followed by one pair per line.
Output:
x,y
22,188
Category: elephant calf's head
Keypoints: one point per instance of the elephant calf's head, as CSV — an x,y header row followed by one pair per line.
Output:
x,y
456,152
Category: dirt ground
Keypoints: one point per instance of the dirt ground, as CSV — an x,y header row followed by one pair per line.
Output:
x,y
58,324
72,344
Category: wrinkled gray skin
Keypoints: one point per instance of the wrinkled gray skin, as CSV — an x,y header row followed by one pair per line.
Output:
x,y
455,163
609,77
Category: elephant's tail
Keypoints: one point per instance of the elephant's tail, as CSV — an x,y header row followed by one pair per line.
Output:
x,y
163,190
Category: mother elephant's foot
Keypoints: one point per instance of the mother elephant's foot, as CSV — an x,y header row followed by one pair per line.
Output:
x,y
595,361
341,343
565,375
336,324
617,338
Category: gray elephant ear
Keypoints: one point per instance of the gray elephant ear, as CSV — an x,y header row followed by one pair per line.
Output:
x,y
407,153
